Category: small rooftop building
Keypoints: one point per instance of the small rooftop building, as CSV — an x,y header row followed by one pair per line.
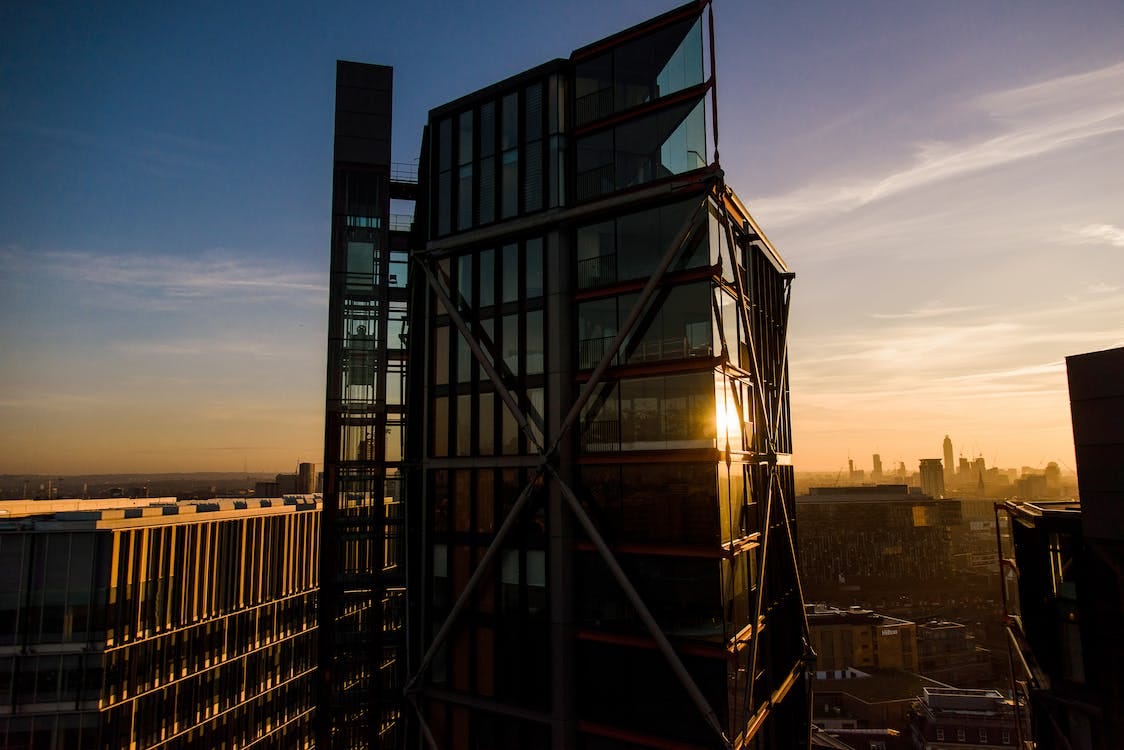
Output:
x,y
946,718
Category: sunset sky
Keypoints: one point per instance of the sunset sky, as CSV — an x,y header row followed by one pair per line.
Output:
x,y
946,179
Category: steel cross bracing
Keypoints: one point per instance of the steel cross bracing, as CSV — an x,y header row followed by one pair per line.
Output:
x,y
764,448
482,349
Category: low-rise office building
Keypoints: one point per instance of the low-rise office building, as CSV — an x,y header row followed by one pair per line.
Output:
x,y
857,637
955,718
166,626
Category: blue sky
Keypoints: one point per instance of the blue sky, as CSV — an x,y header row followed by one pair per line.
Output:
x,y
945,178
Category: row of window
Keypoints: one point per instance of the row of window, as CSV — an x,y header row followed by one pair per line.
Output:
x,y
171,576
503,158
145,665
981,735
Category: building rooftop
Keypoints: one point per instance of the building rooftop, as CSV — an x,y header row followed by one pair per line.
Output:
x,y
107,514
965,700
882,685
823,614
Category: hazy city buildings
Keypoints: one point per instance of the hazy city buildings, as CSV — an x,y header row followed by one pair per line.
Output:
x,y
1065,584
948,470
883,536
600,533
948,652
861,638
184,625
932,477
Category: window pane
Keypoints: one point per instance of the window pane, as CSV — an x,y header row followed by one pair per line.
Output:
x,y
509,135
441,355
533,254
441,426
534,343
510,183
511,342
487,277
464,140
487,190
487,129
487,424
510,273
464,425
464,197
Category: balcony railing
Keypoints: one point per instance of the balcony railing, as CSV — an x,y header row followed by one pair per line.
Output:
x,y
401,171
597,271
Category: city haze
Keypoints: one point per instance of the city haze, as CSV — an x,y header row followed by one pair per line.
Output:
x,y
945,180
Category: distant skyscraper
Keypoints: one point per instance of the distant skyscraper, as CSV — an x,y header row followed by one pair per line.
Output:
x,y
876,471
948,464
932,477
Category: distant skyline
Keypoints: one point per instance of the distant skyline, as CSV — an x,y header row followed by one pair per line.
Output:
x,y
946,179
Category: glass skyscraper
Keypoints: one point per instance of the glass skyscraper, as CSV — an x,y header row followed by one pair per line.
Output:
x,y
599,528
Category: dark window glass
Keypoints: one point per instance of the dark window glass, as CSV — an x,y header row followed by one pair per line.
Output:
x,y
464,196
444,202
594,173
533,179
441,355
533,253
464,360
510,273
487,277
487,129
509,134
597,326
464,282
533,342
533,101
510,183
593,89
487,424
464,426
487,190
441,426
464,138
445,144
511,342
658,64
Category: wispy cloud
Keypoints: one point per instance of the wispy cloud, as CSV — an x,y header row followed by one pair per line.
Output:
x,y
925,312
1100,234
163,153
170,276
1036,120
199,347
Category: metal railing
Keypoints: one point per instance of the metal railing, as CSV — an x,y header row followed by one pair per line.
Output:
x,y
402,171
401,222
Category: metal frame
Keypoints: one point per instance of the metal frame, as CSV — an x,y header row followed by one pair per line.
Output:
x,y
763,449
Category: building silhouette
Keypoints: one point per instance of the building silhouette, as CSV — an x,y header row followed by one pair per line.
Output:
x,y
948,464
362,577
1064,589
600,533
932,477
176,626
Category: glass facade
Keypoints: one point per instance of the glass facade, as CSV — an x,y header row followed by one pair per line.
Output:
x,y
167,629
604,474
